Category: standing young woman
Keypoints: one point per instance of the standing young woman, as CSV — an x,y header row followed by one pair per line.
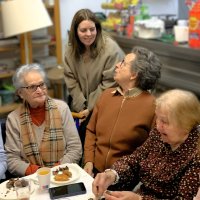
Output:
x,y
90,59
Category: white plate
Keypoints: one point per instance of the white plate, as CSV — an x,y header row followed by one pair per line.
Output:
x,y
74,169
10,194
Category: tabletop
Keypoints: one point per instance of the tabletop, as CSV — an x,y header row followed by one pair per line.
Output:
x,y
82,177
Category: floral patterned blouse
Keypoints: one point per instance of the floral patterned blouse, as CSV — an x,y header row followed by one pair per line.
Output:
x,y
164,174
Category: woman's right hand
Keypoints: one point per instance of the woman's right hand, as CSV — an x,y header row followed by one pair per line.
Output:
x,y
101,182
89,168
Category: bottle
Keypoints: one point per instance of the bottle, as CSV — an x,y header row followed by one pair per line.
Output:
x,y
194,25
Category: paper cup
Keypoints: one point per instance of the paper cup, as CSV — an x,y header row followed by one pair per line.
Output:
x,y
44,175
181,33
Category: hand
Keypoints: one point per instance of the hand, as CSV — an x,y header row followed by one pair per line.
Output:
x,y
89,168
31,169
85,113
121,195
101,183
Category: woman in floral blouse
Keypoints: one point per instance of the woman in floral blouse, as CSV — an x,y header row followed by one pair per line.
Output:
x,y
168,164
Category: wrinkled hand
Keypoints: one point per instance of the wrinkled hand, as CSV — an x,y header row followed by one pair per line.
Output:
x,y
89,168
101,183
85,113
121,195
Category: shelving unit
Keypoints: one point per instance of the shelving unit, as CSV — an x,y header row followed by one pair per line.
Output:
x,y
54,45
53,40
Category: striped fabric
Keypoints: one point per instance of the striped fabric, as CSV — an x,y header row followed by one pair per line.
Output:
x,y
51,148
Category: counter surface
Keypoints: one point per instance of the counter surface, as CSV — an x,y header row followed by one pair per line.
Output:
x,y
181,64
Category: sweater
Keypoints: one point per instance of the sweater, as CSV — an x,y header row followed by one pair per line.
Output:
x,y
118,125
17,160
3,158
86,81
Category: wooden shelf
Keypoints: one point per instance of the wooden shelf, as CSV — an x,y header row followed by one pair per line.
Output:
x,y
5,109
54,46
50,43
10,48
6,74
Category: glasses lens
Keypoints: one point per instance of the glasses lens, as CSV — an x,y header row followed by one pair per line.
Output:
x,y
33,88
42,86
121,63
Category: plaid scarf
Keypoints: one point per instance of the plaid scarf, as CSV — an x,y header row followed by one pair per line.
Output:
x,y
52,147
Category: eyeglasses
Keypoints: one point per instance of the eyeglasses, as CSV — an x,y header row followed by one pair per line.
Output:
x,y
122,63
33,88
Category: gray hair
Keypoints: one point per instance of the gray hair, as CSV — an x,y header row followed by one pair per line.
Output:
x,y
147,66
18,78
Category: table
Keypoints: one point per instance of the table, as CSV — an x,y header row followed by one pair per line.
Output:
x,y
84,177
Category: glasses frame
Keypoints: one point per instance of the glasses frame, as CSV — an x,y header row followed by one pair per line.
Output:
x,y
33,88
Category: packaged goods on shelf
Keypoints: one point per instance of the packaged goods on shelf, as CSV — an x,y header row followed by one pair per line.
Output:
x,y
47,62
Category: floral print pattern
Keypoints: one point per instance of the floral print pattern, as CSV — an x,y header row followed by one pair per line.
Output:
x,y
164,174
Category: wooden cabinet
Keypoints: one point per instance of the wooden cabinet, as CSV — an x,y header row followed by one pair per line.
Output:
x,y
181,64
10,106
54,43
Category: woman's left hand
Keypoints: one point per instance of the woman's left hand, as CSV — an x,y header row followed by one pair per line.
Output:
x,y
121,195
85,113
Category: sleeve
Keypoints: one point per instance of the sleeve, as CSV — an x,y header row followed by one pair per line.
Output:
x,y
128,167
73,147
114,55
3,159
72,84
189,182
188,186
17,162
90,140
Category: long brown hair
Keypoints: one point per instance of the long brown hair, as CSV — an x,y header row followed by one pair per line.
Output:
x,y
78,48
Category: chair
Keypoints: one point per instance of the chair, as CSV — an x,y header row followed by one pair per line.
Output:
x,y
56,78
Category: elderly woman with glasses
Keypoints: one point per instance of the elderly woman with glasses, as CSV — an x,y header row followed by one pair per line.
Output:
x,y
41,131
123,116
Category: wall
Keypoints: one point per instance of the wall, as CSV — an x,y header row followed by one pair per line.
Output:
x,y
69,7
157,7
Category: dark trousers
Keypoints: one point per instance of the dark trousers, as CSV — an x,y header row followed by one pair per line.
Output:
x,y
82,133
82,129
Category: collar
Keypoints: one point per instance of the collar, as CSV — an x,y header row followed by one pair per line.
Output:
x,y
133,92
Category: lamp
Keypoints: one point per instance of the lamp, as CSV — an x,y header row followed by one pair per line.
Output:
x,y
21,17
